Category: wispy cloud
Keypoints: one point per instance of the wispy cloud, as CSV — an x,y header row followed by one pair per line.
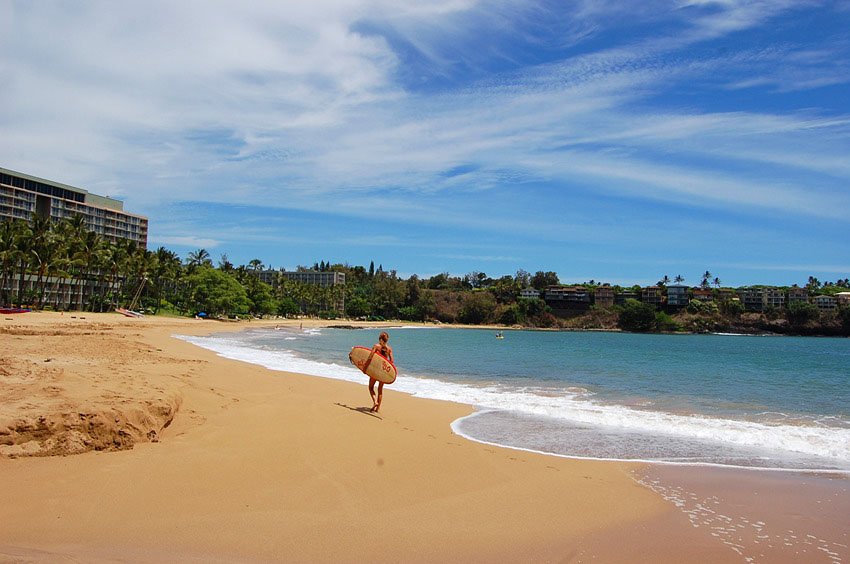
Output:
x,y
451,113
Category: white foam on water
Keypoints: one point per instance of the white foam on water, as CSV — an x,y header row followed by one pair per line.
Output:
x,y
832,443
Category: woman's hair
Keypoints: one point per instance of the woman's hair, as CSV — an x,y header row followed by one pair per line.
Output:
x,y
384,336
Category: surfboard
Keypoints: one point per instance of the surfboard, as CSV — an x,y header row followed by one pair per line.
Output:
x,y
380,368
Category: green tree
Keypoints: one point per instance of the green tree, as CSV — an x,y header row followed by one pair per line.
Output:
x,y
542,280
844,316
216,293
637,316
664,322
287,306
800,313
477,308
357,306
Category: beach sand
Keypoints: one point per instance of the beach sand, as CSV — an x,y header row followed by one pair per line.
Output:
x,y
119,442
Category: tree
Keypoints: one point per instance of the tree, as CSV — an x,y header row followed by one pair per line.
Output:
x,y
522,278
813,284
477,308
679,279
705,278
198,258
664,281
844,316
716,282
287,306
542,280
800,313
166,270
10,234
216,293
224,263
637,316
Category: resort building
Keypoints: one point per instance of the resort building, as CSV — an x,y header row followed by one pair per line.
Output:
x,y
703,294
604,296
22,195
268,276
752,298
726,295
622,297
826,303
774,297
315,277
677,295
797,294
651,295
843,298
567,300
529,294
575,294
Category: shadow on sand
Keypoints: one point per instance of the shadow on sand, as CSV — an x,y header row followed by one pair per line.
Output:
x,y
363,410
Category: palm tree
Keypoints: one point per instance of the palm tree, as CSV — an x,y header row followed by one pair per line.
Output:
x,y
705,278
679,279
88,257
716,282
256,265
198,258
23,254
166,268
224,264
8,256
116,257
47,255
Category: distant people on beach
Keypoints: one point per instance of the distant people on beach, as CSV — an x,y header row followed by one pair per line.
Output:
x,y
382,348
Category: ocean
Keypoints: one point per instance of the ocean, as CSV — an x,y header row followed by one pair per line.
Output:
x,y
726,400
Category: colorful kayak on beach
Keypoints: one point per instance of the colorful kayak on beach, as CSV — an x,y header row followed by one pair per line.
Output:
x,y
6,310
381,369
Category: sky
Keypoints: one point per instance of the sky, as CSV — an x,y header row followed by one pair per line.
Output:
x,y
603,140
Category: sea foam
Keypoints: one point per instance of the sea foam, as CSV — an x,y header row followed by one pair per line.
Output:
x,y
574,406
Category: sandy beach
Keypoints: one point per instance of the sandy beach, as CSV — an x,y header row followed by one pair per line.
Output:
x,y
119,442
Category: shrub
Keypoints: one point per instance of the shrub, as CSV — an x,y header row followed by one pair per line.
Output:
x,y
664,322
637,316
800,313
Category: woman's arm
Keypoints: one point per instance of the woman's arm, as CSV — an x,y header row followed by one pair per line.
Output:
x,y
366,364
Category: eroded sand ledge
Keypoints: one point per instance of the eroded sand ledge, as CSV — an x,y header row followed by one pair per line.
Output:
x,y
269,466
74,386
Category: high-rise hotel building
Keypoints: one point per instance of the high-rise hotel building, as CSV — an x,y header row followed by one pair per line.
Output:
x,y
22,195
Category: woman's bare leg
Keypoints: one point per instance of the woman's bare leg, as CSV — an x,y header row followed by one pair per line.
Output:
x,y
380,396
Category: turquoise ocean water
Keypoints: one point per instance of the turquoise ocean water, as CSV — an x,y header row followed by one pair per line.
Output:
x,y
766,402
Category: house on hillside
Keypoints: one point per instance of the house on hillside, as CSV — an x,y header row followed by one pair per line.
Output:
x,y
774,297
826,303
703,294
604,296
752,298
797,294
677,295
529,293
651,295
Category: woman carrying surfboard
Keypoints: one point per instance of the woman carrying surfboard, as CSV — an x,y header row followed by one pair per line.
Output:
x,y
383,349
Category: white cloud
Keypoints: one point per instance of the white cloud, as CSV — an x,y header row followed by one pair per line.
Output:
x,y
186,241
300,105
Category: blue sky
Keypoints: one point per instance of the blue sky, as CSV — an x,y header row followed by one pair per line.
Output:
x,y
614,141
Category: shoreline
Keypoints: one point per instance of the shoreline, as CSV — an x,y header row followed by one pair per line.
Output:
x,y
261,465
